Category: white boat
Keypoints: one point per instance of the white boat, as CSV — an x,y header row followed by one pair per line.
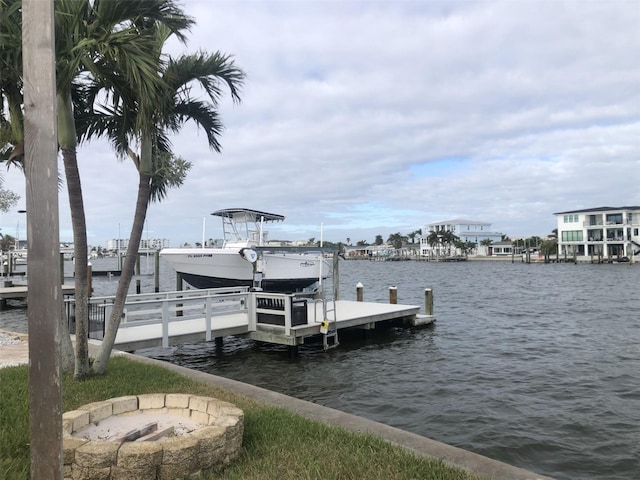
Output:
x,y
245,259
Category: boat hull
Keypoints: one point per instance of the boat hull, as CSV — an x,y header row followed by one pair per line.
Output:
x,y
225,267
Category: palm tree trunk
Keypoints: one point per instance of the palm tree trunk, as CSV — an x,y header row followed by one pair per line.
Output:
x,y
104,352
68,359
80,253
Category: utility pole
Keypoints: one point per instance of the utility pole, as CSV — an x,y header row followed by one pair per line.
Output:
x,y
44,298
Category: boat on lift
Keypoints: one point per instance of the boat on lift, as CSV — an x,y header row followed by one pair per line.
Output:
x,y
246,259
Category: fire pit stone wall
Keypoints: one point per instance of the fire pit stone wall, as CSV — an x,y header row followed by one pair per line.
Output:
x,y
214,443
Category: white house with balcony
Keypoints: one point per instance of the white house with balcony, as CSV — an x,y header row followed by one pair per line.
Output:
x,y
472,231
610,232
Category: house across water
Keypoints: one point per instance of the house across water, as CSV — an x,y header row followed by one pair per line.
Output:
x,y
607,232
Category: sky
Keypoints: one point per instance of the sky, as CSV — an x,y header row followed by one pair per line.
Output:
x,y
364,118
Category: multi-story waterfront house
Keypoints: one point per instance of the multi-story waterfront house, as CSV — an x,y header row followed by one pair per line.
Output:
x,y
610,232
466,230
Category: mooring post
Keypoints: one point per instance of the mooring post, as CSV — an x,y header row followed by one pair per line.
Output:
x,y
359,292
393,295
428,301
90,279
61,268
336,277
137,273
178,288
156,286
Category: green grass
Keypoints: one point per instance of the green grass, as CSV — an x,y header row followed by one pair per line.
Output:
x,y
277,444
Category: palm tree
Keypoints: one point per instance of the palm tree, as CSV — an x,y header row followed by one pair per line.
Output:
x,y
157,168
413,235
8,198
486,243
11,124
396,239
97,40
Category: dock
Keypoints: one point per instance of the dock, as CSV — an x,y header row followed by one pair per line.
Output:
x,y
18,292
191,316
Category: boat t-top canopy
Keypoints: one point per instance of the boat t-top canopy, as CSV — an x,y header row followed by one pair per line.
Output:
x,y
248,215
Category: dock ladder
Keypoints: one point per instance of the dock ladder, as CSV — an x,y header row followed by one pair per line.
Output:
x,y
329,328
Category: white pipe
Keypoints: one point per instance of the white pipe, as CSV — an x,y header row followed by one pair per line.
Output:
x,y
260,241
321,256
204,221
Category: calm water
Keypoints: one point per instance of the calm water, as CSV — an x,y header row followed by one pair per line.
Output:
x,y
534,365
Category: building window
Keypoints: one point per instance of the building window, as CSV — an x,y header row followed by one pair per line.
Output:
x,y
614,219
571,218
572,236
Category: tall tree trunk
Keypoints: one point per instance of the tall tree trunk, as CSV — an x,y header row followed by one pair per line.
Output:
x,y
68,141
104,352
80,253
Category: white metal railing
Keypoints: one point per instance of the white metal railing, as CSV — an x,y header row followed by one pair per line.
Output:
x,y
276,309
167,307
176,306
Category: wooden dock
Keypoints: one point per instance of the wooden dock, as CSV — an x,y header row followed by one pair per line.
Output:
x,y
172,318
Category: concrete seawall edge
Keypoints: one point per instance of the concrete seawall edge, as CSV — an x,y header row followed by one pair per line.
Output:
x,y
472,462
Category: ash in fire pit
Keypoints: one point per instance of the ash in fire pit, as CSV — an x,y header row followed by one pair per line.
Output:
x,y
138,427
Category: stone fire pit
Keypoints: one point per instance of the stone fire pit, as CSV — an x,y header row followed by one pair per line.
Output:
x,y
189,434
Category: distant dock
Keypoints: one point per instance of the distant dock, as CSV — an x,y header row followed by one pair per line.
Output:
x,y
18,292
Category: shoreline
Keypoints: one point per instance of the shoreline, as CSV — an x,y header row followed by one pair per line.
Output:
x,y
14,351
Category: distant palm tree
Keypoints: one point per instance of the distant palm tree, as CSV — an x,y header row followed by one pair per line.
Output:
x,y
396,239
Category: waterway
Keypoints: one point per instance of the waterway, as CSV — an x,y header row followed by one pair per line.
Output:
x,y
535,365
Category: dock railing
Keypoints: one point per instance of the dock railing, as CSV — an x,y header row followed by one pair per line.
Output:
x,y
277,310
164,307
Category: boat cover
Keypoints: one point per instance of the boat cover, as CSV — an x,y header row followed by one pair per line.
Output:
x,y
248,214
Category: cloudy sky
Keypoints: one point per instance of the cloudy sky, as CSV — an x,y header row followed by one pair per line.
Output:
x,y
376,117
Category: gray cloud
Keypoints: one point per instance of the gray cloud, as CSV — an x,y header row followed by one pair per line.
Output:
x,y
377,117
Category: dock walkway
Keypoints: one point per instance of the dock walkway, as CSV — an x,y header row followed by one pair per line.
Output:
x,y
162,320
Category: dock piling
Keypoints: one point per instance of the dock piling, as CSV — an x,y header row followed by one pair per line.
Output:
x,y
359,292
157,272
178,288
90,278
428,301
393,295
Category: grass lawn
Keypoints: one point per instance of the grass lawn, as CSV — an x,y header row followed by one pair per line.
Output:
x,y
277,444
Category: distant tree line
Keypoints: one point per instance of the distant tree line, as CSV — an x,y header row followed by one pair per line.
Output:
x,y
447,240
